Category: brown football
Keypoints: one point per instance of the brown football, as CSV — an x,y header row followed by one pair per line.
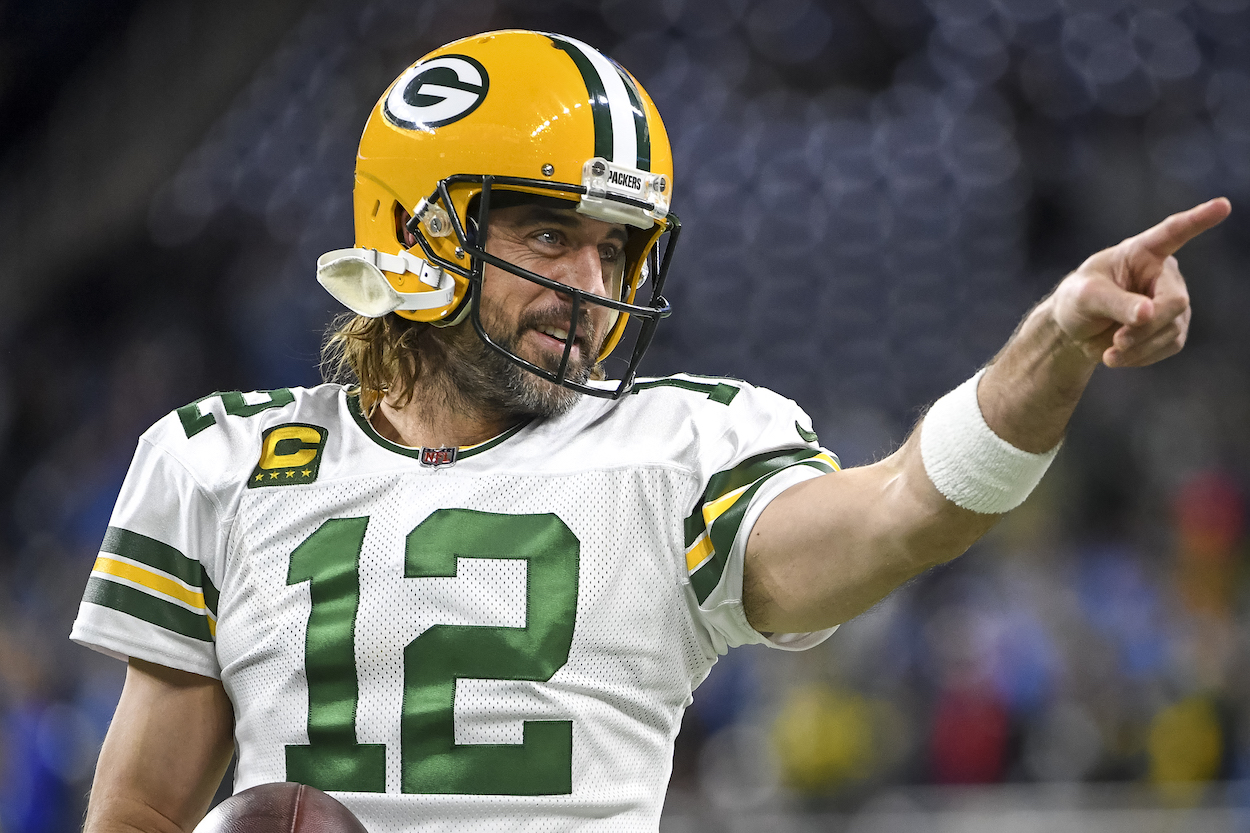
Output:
x,y
280,808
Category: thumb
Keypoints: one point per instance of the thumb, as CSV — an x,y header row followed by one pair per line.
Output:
x,y
1103,299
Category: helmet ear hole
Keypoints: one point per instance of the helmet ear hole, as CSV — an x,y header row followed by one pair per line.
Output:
x,y
404,237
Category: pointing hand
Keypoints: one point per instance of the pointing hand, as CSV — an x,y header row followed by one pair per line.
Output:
x,y
1127,306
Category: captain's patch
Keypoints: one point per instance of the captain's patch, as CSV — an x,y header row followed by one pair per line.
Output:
x,y
289,454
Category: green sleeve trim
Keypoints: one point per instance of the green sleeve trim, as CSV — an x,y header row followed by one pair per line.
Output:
x,y
719,392
163,557
705,579
748,471
726,526
150,609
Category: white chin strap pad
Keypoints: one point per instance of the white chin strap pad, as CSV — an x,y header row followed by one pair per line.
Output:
x,y
355,278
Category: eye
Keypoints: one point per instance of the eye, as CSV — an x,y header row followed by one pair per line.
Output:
x,y
611,254
548,237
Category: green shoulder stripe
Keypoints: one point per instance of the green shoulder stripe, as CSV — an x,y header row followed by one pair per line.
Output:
x,y
148,608
163,557
748,471
717,392
726,526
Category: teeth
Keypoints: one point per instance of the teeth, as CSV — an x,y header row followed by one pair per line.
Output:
x,y
562,335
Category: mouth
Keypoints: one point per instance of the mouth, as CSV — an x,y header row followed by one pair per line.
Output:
x,y
555,338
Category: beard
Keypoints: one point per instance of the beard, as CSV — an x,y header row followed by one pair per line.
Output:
x,y
483,379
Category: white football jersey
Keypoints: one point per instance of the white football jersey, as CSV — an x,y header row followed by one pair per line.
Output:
x,y
499,636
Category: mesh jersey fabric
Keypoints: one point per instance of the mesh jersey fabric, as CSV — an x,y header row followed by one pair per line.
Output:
x,y
505,642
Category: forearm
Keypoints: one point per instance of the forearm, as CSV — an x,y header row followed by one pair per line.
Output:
x,y
118,814
1029,392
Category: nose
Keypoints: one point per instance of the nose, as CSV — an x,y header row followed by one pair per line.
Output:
x,y
583,268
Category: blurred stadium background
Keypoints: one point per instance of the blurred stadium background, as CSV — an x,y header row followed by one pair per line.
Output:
x,y
874,192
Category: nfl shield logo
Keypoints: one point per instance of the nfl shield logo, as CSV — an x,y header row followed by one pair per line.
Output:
x,y
438,456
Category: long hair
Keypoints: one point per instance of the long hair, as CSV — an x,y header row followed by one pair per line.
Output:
x,y
374,356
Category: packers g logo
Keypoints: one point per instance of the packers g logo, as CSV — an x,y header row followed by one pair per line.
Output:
x,y
437,92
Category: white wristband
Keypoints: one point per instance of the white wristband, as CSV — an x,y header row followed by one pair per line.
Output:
x,y
970,464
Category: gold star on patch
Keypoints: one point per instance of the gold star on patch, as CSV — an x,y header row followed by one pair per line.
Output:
x,y
307,472
273,475
260,477
290,473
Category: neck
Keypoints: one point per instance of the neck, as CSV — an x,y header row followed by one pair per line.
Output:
x,y
438,415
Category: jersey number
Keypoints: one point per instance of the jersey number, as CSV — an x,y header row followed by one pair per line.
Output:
x,y
193,422
432,761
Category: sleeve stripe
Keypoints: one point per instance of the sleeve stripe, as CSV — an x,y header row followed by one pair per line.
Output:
x,y
698,554
707,576
154,582
714,509
744,474
159,612
154,553
707,558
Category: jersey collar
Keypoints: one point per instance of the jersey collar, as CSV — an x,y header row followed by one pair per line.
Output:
x,y
462,452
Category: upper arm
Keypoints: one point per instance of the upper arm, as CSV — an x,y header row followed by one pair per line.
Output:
x,y
165,753
829,548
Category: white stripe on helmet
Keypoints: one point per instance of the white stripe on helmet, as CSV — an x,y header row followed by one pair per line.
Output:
x,y
624,135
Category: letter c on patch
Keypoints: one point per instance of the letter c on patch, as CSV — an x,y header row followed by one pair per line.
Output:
x,y
290,446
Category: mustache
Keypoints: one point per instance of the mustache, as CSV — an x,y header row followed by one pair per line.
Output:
x,y
561,319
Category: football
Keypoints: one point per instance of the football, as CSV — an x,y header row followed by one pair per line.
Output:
x,y
280,808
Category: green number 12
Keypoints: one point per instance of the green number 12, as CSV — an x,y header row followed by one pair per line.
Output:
x,y
432,761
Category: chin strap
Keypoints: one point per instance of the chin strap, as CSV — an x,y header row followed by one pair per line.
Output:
x,y
354,277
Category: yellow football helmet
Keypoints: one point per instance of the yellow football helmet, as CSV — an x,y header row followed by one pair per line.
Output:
x,y
514,111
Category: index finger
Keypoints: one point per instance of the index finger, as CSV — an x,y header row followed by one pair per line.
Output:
x,y
1167,237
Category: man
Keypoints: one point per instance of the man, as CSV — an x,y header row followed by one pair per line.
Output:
x,y
476,588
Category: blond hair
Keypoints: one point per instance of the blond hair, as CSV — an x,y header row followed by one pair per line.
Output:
x,y
384,357
377,356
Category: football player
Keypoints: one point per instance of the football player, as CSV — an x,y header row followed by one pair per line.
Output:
x,y
475,587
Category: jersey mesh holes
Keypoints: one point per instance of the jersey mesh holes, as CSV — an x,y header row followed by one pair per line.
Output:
x,y
633,654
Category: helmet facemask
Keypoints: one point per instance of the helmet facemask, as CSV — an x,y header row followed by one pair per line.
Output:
x,y
648,254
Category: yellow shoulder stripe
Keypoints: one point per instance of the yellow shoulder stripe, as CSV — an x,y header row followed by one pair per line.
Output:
x,y
156,583
701,549
714,509
699,552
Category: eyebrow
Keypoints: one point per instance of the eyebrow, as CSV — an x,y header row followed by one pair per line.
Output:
x,y
541,215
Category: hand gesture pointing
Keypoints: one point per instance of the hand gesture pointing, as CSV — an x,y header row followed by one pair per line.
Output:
x,y
1127,305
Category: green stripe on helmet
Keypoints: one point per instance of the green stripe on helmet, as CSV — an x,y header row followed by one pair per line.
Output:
x,y
641,130
600,110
